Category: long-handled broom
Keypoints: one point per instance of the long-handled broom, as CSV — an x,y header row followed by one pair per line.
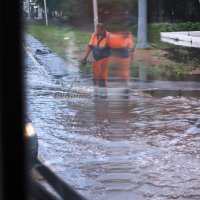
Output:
x,y
81,65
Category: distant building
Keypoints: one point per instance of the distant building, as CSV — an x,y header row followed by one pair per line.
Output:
x,y
32,10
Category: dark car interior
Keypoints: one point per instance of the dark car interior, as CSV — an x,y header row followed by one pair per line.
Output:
x,y
15,180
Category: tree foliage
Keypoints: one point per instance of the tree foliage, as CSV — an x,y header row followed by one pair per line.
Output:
x,y
158,10
64,5
173,10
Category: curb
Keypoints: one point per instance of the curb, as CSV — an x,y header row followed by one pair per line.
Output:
x,y
172,92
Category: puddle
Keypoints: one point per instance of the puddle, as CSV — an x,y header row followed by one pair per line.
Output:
x,y
141,148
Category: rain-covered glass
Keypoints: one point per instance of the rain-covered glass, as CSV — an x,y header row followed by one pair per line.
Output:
x,y
113,92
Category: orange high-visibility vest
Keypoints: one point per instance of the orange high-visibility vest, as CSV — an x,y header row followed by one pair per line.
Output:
x,y
99,45
120,43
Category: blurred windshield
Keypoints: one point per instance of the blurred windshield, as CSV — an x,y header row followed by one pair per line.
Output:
x,y
112,88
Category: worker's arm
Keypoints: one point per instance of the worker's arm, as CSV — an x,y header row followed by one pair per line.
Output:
x,y
84,60
89,49
131,55
131,48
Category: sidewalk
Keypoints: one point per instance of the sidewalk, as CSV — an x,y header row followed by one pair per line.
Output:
x,y
59,67
54,64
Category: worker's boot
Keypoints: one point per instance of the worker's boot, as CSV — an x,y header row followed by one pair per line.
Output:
x,y
126,91
96,91
103,92
96,88
102,89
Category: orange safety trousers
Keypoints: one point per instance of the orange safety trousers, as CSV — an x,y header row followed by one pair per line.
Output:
x,y
100,71
122,67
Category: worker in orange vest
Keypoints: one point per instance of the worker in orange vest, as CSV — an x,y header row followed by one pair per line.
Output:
x,y
99,46
122,48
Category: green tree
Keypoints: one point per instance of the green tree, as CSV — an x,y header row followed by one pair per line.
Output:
x,y
65,5
173,11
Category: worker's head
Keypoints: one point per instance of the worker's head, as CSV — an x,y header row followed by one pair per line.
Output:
x,y
100,28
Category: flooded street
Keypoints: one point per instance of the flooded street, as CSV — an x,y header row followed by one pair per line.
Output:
x,y
141,148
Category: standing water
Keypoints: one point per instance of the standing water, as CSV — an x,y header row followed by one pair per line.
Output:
x,y
141,148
